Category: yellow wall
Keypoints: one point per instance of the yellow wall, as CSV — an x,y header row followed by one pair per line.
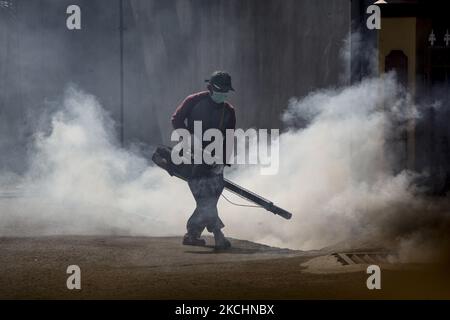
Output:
x,y
400,34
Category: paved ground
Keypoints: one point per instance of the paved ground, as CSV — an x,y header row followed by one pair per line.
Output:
x,y
161,268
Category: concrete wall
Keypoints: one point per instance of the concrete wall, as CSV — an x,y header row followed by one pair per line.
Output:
x,y
39,57
273,49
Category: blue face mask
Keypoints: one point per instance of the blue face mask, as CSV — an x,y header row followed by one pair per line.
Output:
x,y
219,97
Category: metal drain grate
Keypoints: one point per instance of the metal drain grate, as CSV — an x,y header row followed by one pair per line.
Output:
x,y
348,258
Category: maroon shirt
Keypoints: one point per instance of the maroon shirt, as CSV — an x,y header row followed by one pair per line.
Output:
x,y
200,107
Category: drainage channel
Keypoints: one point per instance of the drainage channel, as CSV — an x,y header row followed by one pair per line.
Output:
x,y
349,258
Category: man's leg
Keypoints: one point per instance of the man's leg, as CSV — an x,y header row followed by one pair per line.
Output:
x,y
195,224
194,230
214,223
206,192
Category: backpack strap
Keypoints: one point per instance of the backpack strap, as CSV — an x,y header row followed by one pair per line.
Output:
x,y
221,118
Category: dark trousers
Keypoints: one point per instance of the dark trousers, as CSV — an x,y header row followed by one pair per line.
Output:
x,y
206,192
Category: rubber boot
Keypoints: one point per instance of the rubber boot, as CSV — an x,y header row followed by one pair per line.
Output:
x,y
221,243
192,240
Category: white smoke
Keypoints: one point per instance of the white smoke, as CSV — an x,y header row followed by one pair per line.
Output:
x,y
333,177
332,172
80,181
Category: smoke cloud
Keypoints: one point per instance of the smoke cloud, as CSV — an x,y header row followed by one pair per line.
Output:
x,y
336,177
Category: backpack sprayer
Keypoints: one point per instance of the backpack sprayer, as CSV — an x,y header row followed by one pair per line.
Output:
x,y
162,158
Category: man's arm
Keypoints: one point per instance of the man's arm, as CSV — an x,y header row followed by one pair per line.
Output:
x,y
183,110
231,124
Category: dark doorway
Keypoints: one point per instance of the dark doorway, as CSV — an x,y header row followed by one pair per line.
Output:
x,y
397,61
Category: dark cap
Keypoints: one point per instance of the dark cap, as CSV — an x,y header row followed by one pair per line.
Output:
x,y
220,81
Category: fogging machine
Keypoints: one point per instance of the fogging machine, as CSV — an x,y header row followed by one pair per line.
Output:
x,y
162,158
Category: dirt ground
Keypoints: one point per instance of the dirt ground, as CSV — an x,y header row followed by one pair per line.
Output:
x,y
162,268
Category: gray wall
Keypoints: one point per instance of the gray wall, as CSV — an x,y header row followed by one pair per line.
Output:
x,y
274,49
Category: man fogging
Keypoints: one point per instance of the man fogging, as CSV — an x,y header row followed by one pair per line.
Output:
x,y
206,181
